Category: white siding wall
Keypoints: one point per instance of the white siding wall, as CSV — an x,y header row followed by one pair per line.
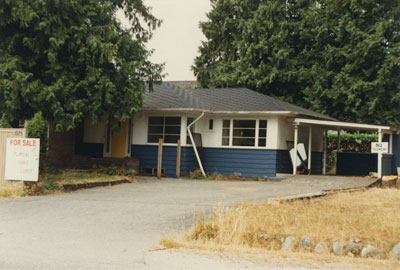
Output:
x,y
286,133
211,138
279,131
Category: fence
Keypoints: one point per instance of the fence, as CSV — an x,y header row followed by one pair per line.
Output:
x,y
4,134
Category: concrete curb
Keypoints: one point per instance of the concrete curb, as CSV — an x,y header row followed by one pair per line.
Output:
x,y
72,187
323,193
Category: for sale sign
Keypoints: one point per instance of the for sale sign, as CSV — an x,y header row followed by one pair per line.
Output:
x,y
22,159
379,147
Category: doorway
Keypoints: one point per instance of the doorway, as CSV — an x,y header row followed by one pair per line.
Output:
x,y
118,140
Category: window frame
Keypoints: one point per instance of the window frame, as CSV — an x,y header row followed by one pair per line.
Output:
x,y
257,130
163,128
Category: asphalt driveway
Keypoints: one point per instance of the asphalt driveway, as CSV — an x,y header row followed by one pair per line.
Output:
x,y
116,227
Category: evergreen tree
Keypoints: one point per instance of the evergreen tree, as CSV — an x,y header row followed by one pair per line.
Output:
x,y
338,57
73,59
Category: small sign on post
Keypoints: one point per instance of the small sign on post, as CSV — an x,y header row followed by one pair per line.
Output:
x,y
379,147
22,159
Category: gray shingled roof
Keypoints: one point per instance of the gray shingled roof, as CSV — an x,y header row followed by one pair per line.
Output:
x,y
168,96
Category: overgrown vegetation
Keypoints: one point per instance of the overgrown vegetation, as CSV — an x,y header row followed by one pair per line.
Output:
x,y
197,174
371,216
37,128
338,57
74,59
52,180
50,183
11,190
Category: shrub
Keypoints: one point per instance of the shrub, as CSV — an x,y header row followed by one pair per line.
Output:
x,y
4,123
37,128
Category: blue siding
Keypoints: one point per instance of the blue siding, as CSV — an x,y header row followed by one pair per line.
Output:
x,y
396,153
316,162
283,162
147,155
245,162
387,164
356,163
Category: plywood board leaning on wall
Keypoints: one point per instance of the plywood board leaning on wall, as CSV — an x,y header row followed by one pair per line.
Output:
x,y
4,134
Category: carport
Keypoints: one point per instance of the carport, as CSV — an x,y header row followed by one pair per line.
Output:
x,y
391,159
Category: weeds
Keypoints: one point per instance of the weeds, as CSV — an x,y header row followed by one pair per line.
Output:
x,y
371,216
197,174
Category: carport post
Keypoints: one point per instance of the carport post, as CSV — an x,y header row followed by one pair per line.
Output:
x,y
338,140
296,135
380,155
309,149
324,156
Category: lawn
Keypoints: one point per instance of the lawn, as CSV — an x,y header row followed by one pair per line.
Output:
x,y
373,216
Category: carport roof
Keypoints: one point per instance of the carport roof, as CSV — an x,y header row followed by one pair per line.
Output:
x,y
342,125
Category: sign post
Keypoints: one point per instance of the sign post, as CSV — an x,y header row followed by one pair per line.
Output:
x,y
22,159
379,148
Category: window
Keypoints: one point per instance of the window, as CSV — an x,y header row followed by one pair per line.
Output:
x,y
189,121
211,124
166,128
226,126
262,133
244,133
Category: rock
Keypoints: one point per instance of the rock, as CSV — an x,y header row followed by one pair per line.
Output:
x,y
337,247
289,243
306,243
373,252
321,248
354,247
379,253
389,180
395,252
367,251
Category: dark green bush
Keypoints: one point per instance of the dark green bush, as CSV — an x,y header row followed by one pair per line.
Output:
x,y
37,128
4,123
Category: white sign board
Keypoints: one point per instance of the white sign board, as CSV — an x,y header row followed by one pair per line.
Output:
x,y
22,159
379,147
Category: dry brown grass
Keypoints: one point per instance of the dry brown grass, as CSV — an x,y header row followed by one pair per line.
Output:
x,y
11,190
372,216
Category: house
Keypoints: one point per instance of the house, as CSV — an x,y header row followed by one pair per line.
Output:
x,y
236,131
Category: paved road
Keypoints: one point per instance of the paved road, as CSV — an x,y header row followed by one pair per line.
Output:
x,y
115,227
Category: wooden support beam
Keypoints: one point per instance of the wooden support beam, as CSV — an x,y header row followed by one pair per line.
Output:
x,y
159,163
309,149
380,155
325,150
296,138
178,159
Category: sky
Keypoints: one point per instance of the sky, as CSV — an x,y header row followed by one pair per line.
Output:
x,y
176,42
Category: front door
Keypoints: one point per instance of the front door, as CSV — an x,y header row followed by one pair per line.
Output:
x,y
118,140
